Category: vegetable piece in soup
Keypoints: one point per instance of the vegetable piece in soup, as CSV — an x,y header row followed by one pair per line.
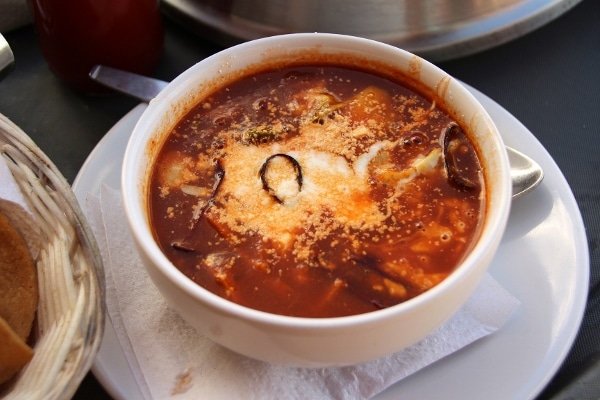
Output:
x,y
316,191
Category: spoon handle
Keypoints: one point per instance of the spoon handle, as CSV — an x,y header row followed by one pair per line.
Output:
x,y
139,86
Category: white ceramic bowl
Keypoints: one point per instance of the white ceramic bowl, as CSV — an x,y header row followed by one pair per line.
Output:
x,y
313,342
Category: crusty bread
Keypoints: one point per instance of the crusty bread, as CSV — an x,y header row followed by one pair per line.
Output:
x,y
14,352
18,280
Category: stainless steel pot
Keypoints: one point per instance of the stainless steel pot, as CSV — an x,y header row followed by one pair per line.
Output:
x,y
434,29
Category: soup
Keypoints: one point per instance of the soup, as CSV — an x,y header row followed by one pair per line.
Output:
x,y
316,191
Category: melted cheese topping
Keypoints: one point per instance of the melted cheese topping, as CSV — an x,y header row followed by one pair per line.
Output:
x,y
327,178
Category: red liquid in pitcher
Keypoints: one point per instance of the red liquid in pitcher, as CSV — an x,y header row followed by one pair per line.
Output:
x,y
75,35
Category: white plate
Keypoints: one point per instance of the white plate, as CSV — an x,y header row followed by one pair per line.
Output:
x,y
543,260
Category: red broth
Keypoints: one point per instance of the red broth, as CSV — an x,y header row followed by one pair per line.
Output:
x,y
316,191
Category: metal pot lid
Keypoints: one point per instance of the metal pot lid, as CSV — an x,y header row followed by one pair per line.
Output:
x,y
437,30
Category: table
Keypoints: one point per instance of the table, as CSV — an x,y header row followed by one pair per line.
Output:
x,y
549,79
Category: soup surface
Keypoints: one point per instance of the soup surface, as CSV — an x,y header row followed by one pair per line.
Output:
x,y
316,191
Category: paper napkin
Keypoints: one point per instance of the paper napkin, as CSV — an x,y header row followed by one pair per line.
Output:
x,y
9,190
170,359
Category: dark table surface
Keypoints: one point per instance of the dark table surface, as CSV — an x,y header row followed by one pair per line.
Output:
x,y
549,79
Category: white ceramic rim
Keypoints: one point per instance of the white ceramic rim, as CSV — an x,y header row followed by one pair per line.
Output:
x,y
180,88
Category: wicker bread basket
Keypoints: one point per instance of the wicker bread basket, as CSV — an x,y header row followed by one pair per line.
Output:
x,y
70,316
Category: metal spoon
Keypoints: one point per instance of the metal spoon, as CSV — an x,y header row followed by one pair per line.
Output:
x,y
526,174
138,86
